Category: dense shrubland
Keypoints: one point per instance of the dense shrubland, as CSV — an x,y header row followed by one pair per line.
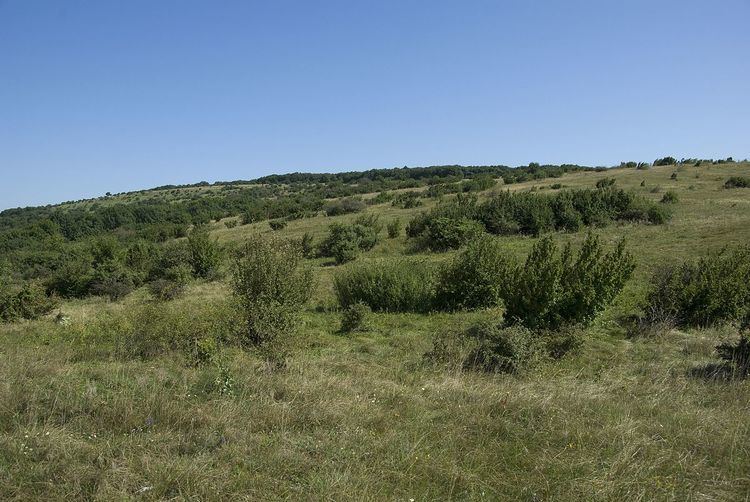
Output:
x,y
737,182
454,223
344,242
549,290
28,302
552,289
713,289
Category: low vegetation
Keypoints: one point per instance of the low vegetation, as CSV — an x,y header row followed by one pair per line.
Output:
x,y
491,354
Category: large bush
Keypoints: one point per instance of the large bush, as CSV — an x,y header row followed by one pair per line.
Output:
x,y
387,286
271,284
205,253
711,290
30,302
474,278
737,182
344,206
344,242
551,289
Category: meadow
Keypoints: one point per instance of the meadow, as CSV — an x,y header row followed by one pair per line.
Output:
x,y
364,414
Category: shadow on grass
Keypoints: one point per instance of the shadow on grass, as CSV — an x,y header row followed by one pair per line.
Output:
x,y
724,372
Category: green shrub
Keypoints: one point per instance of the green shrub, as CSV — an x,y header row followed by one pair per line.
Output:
x,y
711,290
371,221
605,183
669,197
552,290
407,200
355,317
500,349
394,228
230,223
30,302
205,253
165,289
344,206
665,161
737,182
344,242
442,234
271,285
306,245
387,286
474,278
114,284
277,224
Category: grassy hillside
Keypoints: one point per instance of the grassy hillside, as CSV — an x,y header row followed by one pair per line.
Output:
x,y
364,415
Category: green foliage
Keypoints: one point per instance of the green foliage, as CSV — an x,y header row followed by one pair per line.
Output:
x,y
355,317
344,206
30,302
230,223
442,234
605,183
737,182
205,253
306,245
474,278
665,161
510,213
394,228
148,330
344,242
277,224
387,286
711,290
510,349
407,200
552,290
271,285
669,197
165,289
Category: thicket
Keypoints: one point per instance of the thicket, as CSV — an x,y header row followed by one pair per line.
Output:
x,y
711,290
205,253
447,225
345,241
394,228
387,286
554,289
271,284
29,302
737,182
344,206
355,318
474,278
550,290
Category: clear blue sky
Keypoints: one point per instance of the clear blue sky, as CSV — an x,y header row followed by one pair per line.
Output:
x,y
100,95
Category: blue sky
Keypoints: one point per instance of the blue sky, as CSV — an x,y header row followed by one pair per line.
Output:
x,y
100,95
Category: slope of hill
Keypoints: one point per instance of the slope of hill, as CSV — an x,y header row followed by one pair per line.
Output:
x,y
96,403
